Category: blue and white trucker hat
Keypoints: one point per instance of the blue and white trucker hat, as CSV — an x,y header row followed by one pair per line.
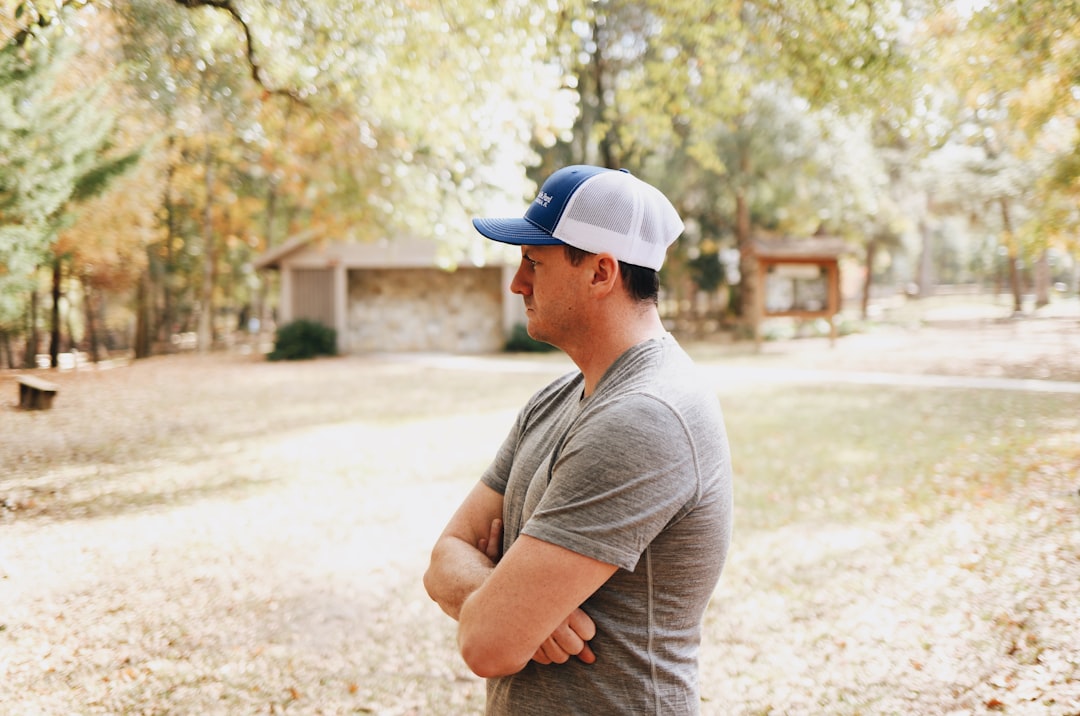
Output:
x,y
597,210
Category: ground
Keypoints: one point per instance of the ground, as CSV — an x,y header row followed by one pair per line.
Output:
x,y
217,535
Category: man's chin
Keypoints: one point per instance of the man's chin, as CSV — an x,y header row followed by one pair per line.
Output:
x,y
535,334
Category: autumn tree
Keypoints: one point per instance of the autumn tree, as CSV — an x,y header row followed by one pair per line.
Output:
x,y
1010,71
379,121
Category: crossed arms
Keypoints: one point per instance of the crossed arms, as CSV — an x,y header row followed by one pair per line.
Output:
x,y
524,605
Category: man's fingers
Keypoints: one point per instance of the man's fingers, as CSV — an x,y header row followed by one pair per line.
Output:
x,y
493,543
582,624
553,652
570,639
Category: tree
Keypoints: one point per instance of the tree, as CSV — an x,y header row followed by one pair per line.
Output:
x,y
356,120
371,136
1015,71
667,89
107,240
56,141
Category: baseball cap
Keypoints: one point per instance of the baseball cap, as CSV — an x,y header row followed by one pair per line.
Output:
x,y
598,210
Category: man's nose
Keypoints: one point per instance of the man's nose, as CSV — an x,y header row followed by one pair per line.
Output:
x,y
519,285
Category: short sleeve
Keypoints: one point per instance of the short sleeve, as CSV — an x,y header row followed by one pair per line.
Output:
x,y
497,473
551,399
624,473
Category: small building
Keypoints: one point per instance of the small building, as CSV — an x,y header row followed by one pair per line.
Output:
x,y
392,296
798,278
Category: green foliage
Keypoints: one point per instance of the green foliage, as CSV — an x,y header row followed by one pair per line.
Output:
x,y
303,339
362,120
521,342
34,181
753,117
97,179
54,145
706,270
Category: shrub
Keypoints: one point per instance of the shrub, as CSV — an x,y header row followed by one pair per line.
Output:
x,y
303,339
521,342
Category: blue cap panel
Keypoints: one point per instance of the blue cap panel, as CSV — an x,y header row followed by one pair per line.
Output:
x,y
514,231
544,213
547,208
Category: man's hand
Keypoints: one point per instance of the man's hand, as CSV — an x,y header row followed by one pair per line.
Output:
x,y
491,545
514,607
467,550
570,639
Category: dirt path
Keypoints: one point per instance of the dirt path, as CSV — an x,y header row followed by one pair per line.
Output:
x,y
277,569
285,597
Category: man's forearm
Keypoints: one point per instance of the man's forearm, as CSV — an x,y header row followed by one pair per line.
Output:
x,y
457,569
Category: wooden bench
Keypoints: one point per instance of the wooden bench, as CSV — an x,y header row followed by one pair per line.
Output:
x,y
35,393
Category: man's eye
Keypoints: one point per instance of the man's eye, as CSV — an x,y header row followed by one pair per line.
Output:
x,y
532,263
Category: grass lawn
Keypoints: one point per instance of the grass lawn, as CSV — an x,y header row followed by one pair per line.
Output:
x,y
223,535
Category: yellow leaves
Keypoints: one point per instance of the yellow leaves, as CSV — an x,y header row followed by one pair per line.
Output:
x,y
108,237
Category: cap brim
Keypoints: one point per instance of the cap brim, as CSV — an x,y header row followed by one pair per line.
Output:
x,y
519,232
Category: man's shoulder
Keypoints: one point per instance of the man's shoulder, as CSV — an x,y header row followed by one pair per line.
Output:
x,y
663,372
559,387
556,394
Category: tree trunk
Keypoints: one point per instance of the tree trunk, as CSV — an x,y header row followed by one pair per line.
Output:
x,y
143,335
206,294
868,281
748,308
1042,280
54,315
92,338
261,302
69,328
33,338
925,281
5,350
1014,283
1014,258
166,327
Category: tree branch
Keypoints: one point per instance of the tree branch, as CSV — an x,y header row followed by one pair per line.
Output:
x,y
38,19
249,41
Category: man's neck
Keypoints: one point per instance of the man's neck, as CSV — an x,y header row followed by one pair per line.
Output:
x,y
603,346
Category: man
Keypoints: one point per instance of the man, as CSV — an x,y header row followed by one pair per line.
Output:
x,y
580,566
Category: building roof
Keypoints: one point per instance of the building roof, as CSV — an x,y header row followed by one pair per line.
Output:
x,y
272,258
312,249
817,248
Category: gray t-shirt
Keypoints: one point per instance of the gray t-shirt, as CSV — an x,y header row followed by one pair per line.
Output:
x,y
637,475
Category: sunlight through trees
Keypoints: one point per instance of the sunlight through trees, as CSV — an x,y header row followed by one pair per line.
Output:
x,y
938,139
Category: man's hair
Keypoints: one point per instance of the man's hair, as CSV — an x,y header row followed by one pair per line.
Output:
x,y
642,283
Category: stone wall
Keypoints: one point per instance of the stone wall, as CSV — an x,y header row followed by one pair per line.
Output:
x,y
424,310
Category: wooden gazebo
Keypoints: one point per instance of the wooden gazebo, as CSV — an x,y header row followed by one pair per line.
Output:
x,y
798,278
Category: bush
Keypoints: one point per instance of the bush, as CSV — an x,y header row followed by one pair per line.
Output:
x,y
303,339
521,342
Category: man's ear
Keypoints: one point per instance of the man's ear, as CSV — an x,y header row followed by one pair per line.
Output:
x,y
605,272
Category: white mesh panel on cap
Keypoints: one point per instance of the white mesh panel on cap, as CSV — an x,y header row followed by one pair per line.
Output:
x,y
616,213
606,205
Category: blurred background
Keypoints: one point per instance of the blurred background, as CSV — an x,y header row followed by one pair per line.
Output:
x,y
205,531
188,175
